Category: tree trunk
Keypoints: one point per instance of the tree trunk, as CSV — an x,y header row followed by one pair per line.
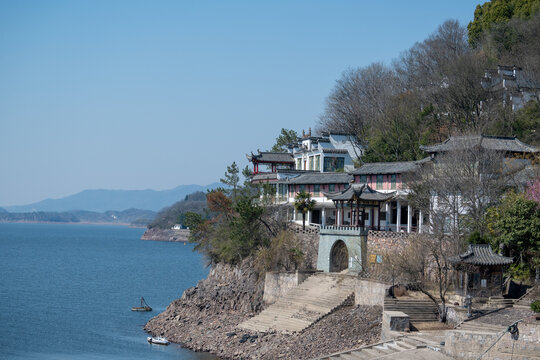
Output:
x,y
303,221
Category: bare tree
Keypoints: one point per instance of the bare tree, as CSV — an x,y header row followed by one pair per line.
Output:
x,y
424,264
453,192
358,100
424,67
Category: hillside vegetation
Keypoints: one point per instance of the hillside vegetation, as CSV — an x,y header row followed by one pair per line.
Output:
x,y
434,89
174,214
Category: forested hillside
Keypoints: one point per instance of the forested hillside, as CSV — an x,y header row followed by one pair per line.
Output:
x,y
434,89
174,214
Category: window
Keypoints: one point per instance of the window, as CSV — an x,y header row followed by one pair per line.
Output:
x,y
363,179
299,164
334,163
311,163
316,189
379,181
393,181
332,187
302,188
382,215
318,163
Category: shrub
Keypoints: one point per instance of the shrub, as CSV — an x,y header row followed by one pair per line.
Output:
x,y
535,306
283,254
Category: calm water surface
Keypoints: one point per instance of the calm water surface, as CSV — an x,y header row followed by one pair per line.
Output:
x,y
66,291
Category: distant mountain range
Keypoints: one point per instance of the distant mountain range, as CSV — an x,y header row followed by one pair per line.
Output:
x,y
118,200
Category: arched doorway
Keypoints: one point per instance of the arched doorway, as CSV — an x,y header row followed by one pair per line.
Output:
x,y
339,257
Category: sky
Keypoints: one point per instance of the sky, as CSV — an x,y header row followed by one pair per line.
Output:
x,y
131,94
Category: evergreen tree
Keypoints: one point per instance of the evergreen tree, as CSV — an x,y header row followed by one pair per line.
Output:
x,y
232,180
303,203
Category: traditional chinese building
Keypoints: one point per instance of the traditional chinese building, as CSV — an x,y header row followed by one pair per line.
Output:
x,y
479,272
511,86
303,169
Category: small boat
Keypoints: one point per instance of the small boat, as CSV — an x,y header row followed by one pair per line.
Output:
x,y
157,340
144,306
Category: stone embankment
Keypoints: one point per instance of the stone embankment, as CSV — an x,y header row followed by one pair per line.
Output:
x,y
206,318
166,235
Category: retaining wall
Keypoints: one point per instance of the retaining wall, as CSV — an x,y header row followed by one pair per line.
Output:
x,y
277,284
463,344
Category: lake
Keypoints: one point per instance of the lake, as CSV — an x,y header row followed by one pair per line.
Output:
x,y
66,291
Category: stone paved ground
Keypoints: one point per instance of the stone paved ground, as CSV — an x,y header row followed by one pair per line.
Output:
x,y
505,317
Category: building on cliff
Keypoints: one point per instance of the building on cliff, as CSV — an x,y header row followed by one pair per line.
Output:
x,y
372,196
511,85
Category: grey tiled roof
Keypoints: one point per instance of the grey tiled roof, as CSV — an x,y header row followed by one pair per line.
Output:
x,y
322,178
271,157
499,143
388,167
359,191
480,254
264,177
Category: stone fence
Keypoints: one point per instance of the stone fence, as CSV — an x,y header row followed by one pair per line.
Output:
x,y
310,229
463,344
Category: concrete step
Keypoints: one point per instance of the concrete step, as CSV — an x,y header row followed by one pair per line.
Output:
x,y
316,297
390,349
482,327
417,310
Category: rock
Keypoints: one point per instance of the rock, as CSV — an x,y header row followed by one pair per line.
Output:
x,y
211,311
166,235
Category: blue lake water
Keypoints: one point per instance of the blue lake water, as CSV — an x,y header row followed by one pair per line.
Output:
x,y
66,291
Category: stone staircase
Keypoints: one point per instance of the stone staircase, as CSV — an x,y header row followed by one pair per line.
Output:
x,y
418,310
300,307
499,302
475,325
391,349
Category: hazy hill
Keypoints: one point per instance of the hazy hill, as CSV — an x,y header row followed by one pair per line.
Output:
x,y
105,200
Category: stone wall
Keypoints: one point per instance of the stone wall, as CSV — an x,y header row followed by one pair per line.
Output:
x,y
370,292
277,284
310,229
366,291
393,323
381,243
471,344
309,245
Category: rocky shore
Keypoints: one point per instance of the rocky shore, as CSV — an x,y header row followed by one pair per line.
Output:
x,y
166,235
206,316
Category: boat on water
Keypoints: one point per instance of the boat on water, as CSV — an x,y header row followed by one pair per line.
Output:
x,y
158,340
144,306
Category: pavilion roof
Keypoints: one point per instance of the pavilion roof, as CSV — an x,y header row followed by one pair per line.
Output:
x,y
271,157
497,143
358,192
480,254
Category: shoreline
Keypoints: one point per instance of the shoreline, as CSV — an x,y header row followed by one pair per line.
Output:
x,y
73,223
169,235
206,318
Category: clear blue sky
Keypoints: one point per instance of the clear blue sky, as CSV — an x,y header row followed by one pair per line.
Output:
x,y
154,94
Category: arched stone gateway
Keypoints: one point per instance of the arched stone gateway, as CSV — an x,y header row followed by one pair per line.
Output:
x,y
342,247
339,257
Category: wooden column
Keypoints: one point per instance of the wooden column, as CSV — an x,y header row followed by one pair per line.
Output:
x,y
342,213
379,218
